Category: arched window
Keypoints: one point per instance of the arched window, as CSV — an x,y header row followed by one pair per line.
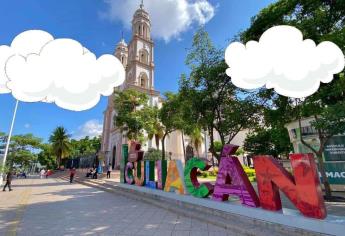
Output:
x,y
139,30
144,56
144,32
143,80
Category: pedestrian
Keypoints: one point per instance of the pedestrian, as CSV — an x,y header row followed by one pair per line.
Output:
x,y
94,173
71,175
8,181
49,172
108,171
89,174
42,173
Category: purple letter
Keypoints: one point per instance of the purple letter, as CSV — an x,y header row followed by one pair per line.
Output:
x,y
231,179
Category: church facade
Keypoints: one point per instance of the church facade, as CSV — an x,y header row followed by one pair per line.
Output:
x,y
138,59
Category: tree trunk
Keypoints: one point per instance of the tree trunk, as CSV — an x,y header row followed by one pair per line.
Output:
x,y
183,146
214,153
157,141
213,161
58,161
59,157
319,156
197,151
163,146
322,170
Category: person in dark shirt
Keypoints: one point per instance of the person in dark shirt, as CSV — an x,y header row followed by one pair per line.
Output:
x,y
72,174
8,181
108,171
94,173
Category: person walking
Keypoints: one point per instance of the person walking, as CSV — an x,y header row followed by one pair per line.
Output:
x,y
8,181
42,173
71,175
108,171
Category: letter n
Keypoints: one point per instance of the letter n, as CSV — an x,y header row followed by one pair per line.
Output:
x,y
303,189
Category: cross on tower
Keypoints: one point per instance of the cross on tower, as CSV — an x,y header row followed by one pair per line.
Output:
x,y
142,4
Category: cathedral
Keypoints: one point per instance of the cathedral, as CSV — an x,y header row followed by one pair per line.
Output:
x,y
138,59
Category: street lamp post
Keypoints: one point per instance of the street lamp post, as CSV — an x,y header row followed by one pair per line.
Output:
x,y
8,142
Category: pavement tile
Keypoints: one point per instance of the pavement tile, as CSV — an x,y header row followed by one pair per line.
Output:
x,y
163,232
198,233
180,233
57,208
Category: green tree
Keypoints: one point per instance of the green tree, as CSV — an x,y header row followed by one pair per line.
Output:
x,y
3,139
268,141
214,102
171,116
22,150
152,124
196,139
60,141
46,156
319,20
131,109
85,146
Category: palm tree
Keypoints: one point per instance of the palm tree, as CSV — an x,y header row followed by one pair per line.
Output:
x,y
196,139
60,142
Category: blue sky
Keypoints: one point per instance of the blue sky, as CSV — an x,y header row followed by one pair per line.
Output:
x,y
84,20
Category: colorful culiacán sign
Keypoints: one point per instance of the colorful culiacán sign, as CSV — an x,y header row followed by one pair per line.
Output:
x,y
302,188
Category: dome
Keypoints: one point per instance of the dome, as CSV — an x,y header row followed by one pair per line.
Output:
x,y
141,13
122,43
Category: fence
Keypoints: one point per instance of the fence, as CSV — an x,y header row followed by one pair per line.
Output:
x,y
82,162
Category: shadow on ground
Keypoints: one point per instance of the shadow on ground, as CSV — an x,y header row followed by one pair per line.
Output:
x,y
60,208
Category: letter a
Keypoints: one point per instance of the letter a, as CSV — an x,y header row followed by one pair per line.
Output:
x,y
232,179
174,180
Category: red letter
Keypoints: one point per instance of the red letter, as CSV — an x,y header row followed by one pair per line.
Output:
x,y
303,189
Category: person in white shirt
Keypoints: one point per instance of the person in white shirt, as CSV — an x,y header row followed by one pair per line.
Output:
x,y
42,173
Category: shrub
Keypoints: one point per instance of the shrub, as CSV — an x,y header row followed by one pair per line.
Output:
x,y
250,173
153,155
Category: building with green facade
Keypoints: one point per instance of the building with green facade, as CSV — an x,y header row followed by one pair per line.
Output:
x,y
334,153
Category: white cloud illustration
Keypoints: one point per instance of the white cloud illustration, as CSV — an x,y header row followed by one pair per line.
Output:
x,y
41,68
170,17
282,60
5,53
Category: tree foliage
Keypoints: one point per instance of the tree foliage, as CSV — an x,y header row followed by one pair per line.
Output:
x,y
132,109
171,116
85,146
214,102
60,141
46,156
22,150
318,20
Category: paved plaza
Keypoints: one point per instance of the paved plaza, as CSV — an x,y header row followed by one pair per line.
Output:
x,y
55,207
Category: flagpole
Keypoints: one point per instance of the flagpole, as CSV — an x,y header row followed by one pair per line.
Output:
x,y
8,141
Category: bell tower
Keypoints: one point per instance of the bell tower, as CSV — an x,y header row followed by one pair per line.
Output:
x,y
140,67
121,52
